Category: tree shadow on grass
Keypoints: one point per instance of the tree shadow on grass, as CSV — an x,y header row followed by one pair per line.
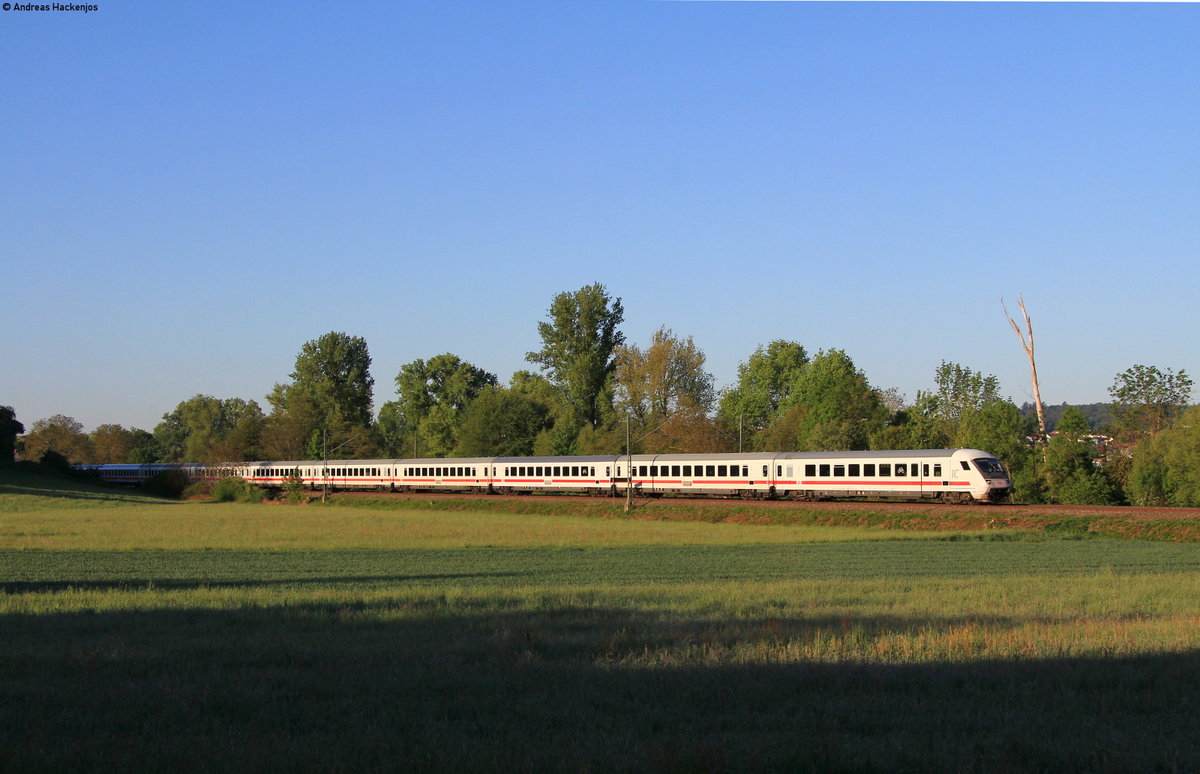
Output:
x,y
421,683
184,584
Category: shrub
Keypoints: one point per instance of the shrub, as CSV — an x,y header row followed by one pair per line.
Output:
x,y
236,489
167,483
294,487
56,462
199,489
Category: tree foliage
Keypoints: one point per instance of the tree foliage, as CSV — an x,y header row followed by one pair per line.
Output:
x,y
59,433
1068,464
10,428
1147,399
110,444
432,396
1166,466
335,371
667,394
830,406
579,342
502,423
329,398
765,384
207,429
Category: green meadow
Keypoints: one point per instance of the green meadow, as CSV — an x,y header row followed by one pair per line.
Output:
x,y
137,634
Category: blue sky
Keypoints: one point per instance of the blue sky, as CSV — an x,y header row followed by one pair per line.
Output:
x,y
190,191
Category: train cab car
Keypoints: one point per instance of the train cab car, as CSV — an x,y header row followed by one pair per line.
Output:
x,y
950,475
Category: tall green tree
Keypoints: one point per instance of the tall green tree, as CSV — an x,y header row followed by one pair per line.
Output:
x,y
832,406
1071,476
1147,400
207,429
10,428
1166,465
949,415
142,449
431,397
110,444
579,343
501,422
59,434
330,395
765,384
334,371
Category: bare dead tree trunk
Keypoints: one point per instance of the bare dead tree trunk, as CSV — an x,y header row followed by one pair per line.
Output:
x,y
1028,347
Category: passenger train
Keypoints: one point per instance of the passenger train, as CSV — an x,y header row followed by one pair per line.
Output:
x,y
949,475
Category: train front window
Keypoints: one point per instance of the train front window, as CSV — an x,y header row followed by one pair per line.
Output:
x,y
990,467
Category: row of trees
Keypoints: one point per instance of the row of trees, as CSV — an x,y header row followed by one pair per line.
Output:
x,y
595,393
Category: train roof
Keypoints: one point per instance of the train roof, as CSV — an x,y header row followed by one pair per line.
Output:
x,y
879,454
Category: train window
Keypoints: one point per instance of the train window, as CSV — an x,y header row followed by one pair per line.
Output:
x,y
966,465
687,471
788,471
608,471
885,469
778,471
824,468
937,470
901,469
839,471
675,470
710,471
641,470
653,470
745,471
925,470
764,471
810,469
557,470
575,470
854,469
618,471
722,471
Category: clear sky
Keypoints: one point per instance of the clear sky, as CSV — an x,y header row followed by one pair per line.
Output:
x,y
190,191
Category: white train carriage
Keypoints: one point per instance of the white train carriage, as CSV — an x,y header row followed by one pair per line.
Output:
x,y
461,474
128,475
701,474
591,475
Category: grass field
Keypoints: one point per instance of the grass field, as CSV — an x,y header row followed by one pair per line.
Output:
x,y
150,636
